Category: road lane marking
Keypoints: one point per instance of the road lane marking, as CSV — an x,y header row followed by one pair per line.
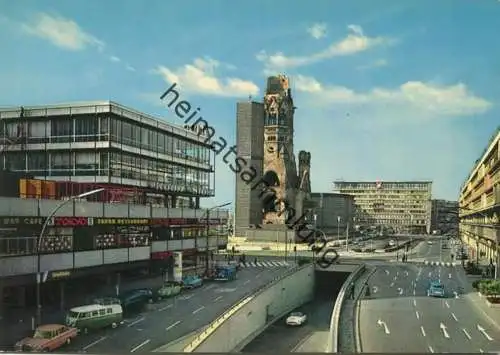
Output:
x,y
447,304
392,284
467,334
400,291
445,332
417,314
172,325
483,331
406,273
454,316
449,276
257,276
136,321
387,272
422,330
415,303
397,273
217,298
165,308
481,351
209,287
395,278
185,298
198,310
383,324
246,282
414,292
94,343
430,349
140,345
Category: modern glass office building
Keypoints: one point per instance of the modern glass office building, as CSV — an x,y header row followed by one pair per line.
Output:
x,y
107,143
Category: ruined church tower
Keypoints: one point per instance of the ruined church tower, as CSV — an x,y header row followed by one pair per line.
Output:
x,y
279,166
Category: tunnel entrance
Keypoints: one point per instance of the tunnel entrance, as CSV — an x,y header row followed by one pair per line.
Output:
x,y
328,284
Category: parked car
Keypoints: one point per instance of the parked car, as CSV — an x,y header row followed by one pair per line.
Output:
x,y
192,281
95,316
169,289
136,298
47,337
296,319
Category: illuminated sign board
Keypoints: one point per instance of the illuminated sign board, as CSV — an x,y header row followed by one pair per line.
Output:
x,y
122,221
71,221
21,221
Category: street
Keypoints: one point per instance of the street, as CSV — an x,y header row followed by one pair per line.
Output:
x,y
174,318
398,316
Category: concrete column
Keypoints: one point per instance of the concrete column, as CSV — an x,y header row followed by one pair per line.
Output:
x,y
1,299
62,288
21,296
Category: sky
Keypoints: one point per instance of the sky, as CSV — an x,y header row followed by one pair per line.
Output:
x,y
387,89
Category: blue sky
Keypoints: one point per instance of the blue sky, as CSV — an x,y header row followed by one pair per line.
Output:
x,y
389,89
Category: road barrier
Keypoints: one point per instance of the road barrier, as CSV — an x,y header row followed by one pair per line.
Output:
x,y
333,341
232,341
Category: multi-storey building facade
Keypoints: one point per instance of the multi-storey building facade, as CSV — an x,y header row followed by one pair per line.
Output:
x,y
479,204
334,212
444,217
404,206
80,147
106,143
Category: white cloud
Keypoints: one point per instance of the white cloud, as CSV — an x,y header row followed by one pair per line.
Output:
x,y
356,41
428,100
317,31
201,78
129,67
375,64
61,32
114,59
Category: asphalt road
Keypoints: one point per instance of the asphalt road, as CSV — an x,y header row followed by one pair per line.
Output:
x,y
281,338
169,320
399,317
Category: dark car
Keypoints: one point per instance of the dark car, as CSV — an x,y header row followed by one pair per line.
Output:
x,y
136,299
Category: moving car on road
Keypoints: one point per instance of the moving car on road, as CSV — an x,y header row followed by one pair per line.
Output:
x,y
296,319
436,289
47,337
136,299
95,316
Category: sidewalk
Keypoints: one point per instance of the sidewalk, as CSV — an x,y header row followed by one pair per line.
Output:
x,y
16,324
492,314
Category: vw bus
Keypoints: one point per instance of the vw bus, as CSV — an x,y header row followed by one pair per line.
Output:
x,y
95,316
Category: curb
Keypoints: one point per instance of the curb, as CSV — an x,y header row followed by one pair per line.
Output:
x,y
301,342
357,312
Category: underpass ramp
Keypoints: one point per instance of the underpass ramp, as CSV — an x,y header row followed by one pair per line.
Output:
x,y
313,336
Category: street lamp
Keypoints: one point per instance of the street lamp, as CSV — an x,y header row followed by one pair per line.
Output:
x,y
39,244
207,226
338,228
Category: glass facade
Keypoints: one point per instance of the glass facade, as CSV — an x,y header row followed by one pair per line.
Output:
x,y
136,152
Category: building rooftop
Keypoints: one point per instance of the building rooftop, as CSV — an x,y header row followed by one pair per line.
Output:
x,y
383,182
103,106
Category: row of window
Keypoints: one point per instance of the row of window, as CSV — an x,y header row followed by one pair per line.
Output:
x,y
88,128
112,237
121,165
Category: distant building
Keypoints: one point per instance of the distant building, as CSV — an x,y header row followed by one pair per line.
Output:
x,y
444,217
480,203
403,206
334,212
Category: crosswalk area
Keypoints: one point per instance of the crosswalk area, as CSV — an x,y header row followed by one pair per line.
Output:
x,y
439,263
267,264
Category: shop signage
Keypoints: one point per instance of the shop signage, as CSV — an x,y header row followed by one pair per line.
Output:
x,y
122,221
160,255
21,221
60,274
173,221
71,221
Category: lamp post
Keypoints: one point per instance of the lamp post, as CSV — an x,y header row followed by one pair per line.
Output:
x,y
338,228
39,244
207,231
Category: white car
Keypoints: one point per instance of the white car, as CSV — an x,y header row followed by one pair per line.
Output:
x,y
296,319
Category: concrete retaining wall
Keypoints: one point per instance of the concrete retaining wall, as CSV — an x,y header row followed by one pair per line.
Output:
x,y
333,340
256,311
